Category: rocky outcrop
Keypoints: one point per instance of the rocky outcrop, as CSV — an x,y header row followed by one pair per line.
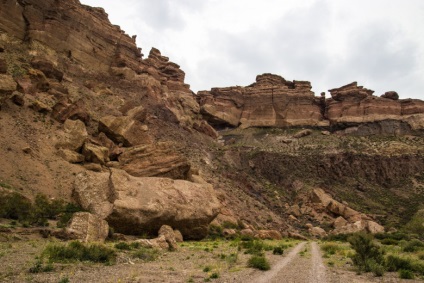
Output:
x,y
74,137
137,205
154,160
354,106
345,219
269,102
274,102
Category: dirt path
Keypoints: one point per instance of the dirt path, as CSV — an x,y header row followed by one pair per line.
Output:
x,y
303,264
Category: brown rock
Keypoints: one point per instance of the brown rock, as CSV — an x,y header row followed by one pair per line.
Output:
x,y
158,160
268,235
93,167
205,128
271,101
350,92
156,243
75,135
71,156
125,130
178,236
48,68
302,133
18,98
318,232
374,228
169,235
93,192
40,107
88,227
64,110
339,222
135,205
7,86
95,153
391,95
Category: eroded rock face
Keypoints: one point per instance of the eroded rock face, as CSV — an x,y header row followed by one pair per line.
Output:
x,y
137,205
154,160
355,106
269,102
88,227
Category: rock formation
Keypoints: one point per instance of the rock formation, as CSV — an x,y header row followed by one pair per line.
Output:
x,y
269,102
274,102
137,205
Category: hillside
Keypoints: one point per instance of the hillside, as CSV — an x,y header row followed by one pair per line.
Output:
x,y
87,118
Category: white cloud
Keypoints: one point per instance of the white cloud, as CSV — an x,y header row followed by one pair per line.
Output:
x,y
378,43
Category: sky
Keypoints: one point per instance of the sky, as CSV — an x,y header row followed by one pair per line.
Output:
x,y
219,43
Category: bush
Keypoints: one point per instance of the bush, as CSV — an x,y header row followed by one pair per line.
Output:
x,y
122,246
406,274
415,225
367,253
390,242
15,206
259,262
76,251
214,231
395,263
254,247
330,248
413,246
278,250
214,275
39,267
146,254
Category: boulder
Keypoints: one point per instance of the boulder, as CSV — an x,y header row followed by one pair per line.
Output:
x,y
302,133
93,192
339,222
374,228
154,160
40,107
125,130
71,156
178,236
74,137
95,153
7,85
156,243
229,233
64,110
48,68
169,235
139,205
318,232
88,227
393,95
247,232
268,235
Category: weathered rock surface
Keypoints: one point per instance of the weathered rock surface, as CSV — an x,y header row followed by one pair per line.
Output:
x,y
154,160
269,102
136,205
88,227
75,135
274,102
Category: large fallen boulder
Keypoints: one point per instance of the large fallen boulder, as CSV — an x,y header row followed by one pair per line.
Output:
x,y
139,205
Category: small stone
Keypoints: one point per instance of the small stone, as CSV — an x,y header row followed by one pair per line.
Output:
x,y
27,150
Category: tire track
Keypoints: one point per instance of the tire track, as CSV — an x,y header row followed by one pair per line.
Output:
x,y
318,273
269,275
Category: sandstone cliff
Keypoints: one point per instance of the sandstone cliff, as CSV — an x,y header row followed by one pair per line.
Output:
x,y
274,102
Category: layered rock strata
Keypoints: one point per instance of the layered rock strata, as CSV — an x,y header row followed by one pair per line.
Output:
x,y
274,102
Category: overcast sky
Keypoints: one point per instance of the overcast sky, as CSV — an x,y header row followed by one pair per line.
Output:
x,y
218,43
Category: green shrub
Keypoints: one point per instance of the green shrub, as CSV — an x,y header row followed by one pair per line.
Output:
x,y
395,263
214,231
406,274
122,246
207,269
278,250
214,275
146,254
64,280
415,225
367,253
259,262
390,242
15,206
376,268
39,267
413,246
76,251
253,247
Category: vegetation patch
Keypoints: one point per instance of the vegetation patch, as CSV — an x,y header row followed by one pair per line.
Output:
x,y
259,262
76,251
